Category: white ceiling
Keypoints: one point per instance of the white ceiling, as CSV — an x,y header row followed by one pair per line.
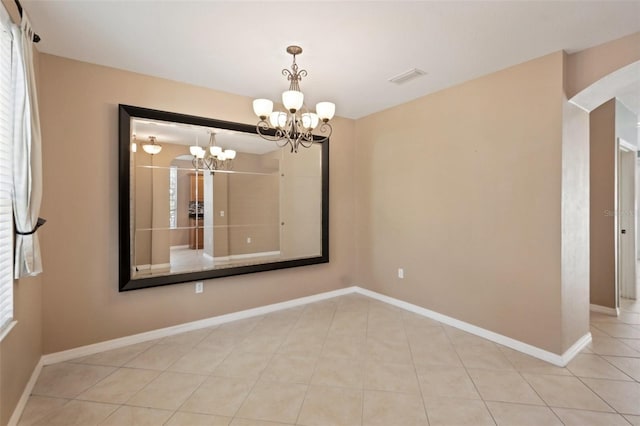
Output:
x,y
351,48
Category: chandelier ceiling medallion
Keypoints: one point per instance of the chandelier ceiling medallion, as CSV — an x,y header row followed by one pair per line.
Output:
x,y
295,126
212,158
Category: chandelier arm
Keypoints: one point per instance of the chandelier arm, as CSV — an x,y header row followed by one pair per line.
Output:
x,y
307,140
209,163
281,137
325,128
282,142
263,126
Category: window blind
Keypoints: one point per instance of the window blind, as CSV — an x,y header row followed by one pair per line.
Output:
x,y
6,205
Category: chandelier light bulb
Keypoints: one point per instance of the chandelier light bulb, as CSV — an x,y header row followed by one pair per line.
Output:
x,y
262,108
325,110
278,119
292,100
194,150
215,150
310,120
230,154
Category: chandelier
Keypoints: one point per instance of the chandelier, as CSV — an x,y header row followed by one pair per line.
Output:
x,y
151,147
212,158
295,126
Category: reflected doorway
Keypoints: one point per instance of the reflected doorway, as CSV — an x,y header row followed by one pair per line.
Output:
x,y
626,219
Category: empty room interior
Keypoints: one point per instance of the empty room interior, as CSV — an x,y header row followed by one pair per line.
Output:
x,y
319,213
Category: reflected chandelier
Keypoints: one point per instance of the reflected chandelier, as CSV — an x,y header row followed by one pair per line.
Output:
x,y
212,158
295,126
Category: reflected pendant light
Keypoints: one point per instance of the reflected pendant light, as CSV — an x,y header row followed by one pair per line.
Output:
x,y
152,147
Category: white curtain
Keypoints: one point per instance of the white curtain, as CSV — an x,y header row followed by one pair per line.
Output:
x,y
27,158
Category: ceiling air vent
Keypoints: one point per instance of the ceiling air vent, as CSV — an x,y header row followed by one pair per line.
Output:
x,y
407,76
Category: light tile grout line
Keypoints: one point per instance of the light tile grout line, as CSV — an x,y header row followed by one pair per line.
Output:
x,y
536,392
315,366
335,309
270,360
415,372
469,375
211,330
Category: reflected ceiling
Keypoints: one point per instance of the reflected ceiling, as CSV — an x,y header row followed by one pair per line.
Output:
x,y
185,134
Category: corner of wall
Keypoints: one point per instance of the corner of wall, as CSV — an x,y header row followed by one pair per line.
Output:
x,y
590,65
575,224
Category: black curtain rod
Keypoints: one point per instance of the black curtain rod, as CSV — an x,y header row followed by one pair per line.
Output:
x,y
36,37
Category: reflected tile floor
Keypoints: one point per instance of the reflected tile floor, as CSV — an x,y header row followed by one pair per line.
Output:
x,y
346,361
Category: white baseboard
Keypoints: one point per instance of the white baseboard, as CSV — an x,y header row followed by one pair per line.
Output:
x,y
559,360
208,256
190,326
605,310
575,349
233,257
555,359
155,266
22,402
258,254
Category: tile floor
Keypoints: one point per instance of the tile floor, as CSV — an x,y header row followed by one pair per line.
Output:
x,y
345,361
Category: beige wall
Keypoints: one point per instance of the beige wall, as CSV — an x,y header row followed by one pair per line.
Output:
x,y
79,124
21,349
588,66
470,202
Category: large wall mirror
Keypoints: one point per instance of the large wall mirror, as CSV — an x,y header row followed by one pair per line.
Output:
x,y
180,221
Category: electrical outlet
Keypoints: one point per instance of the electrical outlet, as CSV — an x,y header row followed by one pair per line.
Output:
x,y
199,287
400,273
248,240
221,213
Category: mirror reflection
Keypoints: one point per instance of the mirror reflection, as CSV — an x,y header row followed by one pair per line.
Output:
x,y
249,203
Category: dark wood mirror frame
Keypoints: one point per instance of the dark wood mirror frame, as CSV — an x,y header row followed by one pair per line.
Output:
x,y
126,113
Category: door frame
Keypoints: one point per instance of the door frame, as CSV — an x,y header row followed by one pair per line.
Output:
x,y
623,147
